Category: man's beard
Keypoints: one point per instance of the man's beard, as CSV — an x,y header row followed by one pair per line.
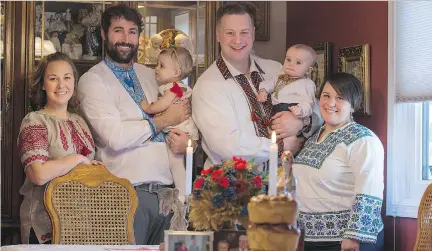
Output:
x,y
117,55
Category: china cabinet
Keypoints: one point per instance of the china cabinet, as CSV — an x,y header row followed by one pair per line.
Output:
x,y
32,29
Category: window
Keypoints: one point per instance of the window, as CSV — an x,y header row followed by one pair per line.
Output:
x,y
409,148
182,23
150,25
427,141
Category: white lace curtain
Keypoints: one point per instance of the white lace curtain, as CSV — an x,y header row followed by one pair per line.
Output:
x,y
413,51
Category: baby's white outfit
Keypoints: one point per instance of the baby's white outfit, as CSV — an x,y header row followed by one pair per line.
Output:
x,y
177,165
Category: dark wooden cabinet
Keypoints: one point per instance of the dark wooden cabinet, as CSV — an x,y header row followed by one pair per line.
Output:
x,y
16,66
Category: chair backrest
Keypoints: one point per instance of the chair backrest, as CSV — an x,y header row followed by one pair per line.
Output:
x,y
89,205
424,222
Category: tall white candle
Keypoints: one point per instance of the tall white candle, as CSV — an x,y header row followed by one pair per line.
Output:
x,y
273,165
189,161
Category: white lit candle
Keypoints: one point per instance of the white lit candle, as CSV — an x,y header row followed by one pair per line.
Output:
x,y
189,160
273,165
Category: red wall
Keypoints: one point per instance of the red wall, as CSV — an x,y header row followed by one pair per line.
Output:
x,y
347,24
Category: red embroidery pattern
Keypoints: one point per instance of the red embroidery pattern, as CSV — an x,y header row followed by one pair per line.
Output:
x,y
261,120
63,138
88,136
33,138
177,90
77,142
32,158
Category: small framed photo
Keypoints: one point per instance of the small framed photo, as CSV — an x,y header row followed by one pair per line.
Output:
x,y
230,240
188,240
356,61
323,63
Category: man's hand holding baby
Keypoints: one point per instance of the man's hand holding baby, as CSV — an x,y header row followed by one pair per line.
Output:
x,y
297,111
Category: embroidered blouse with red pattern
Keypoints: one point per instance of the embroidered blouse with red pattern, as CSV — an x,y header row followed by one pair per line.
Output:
x,y
44,137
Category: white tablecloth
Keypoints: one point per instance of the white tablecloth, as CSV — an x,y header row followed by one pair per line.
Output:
x,y
49,247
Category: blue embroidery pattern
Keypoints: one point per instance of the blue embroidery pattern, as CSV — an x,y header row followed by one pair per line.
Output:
x,y
328,225
130,82
313,154
363,222
365,219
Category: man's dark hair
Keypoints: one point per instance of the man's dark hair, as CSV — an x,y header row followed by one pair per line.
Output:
x,y
121,11
236,8
347,86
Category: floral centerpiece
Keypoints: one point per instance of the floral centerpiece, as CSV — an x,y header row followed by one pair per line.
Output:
x,y
221,193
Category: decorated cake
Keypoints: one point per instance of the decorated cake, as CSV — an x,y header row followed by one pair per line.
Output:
x,y
272,223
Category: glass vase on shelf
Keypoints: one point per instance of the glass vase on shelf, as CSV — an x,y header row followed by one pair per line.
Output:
x,y
287,183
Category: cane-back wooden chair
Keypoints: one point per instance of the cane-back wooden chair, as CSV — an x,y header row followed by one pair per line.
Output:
x,y
424,222
89,205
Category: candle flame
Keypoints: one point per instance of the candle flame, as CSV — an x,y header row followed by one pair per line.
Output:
x,y
273,137
189,143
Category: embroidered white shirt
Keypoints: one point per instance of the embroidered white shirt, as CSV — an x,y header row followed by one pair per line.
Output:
x,y
122,136
340,184
221,112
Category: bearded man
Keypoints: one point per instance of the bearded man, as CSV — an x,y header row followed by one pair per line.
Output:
x,y
130,142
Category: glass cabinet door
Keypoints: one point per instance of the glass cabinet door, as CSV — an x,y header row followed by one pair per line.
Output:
x,y
73,28
173,23
2,14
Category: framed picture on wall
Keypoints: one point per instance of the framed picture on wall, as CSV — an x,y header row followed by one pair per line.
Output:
x,y
262,29
262,25
323,66
356,61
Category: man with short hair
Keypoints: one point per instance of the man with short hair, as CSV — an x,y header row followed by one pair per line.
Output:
x,y
222,245
193,246
224,104
129,141
242,244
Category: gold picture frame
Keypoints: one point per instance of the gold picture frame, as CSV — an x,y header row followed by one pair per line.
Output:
x,y
356,61
323,67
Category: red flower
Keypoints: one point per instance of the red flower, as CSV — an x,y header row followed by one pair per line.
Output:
x,y
217,174
177,90
223,182
240,186
206,171
198,183
257,181
240,165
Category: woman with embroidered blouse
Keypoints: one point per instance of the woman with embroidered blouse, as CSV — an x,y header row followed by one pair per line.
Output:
x,y
51,142
340,175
